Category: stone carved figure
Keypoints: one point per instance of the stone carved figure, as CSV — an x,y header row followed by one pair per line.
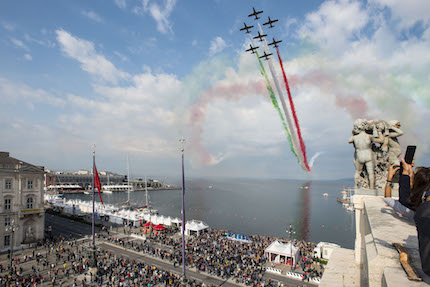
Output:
x,y
394,150
376,158
364,155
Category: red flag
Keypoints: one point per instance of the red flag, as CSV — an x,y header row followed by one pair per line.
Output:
x,y
97,184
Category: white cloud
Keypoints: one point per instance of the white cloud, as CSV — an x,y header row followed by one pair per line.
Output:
x,y
8,26
408,13
19,44
91,61
160,14
217,45
335,23
121,56
92,16
28,57
21,93
121,3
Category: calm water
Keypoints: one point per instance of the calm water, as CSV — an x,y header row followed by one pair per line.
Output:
x,y
251,206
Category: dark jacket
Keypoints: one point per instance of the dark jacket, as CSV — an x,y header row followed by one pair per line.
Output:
x,y
405,190
422,221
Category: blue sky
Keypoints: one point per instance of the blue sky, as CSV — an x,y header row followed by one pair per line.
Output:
x,y
129,76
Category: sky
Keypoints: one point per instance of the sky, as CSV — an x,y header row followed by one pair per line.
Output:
x,y
133,77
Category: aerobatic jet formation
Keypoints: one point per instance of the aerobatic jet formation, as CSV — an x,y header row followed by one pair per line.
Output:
x,y
246,28
275,43
266,56
251,49
270,22
255,14
259,36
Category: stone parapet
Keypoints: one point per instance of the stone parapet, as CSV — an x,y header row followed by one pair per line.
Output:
x,y
377,228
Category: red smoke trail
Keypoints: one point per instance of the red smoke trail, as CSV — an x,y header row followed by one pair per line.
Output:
x,y
293,110
221,91
349,100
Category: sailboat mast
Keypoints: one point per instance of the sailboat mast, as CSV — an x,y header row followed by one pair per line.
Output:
x,y
128,181
146,192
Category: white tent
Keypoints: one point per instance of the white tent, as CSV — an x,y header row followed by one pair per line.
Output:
x,y
167,221
324,249
195,227
176,221
282,253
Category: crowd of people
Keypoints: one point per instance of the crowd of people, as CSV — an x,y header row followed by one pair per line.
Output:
x,y
212,252
58,261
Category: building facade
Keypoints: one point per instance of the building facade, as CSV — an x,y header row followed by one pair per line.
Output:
x,y
82,178
21,197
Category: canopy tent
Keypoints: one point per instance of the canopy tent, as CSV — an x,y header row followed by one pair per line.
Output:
x,y
176,221
285,253
159,227
167,221
195,227
147,225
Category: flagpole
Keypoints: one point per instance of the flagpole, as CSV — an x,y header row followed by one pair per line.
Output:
x,y
93,215
182,141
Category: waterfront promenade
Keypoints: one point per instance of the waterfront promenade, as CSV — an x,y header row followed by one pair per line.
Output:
x,y
63,261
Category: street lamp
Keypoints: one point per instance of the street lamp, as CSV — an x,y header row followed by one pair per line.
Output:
x,y
12,227
290,231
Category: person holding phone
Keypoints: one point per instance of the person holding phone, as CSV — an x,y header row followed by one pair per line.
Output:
x,y
396,204
420,201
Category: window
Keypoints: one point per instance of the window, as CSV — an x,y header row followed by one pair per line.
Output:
x,y
6,221
8,183
29,184
30,203
7,203
6,240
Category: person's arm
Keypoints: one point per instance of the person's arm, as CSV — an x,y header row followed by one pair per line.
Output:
x,y
396,132
405,183
391,171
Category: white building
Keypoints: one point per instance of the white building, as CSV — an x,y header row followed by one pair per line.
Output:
x,y
21,198
323,250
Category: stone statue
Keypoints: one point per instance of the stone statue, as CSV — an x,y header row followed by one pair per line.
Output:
x,y
364,155
394,150
29,233
376,158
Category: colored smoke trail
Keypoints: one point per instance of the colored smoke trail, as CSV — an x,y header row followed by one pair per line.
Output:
x,y
276,105
293,110
311,163
284,106
198,113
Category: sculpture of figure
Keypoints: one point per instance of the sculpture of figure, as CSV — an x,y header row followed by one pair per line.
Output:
x,y
29,233
364,155
394,150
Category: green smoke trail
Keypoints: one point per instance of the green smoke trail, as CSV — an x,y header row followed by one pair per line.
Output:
x,y
276,105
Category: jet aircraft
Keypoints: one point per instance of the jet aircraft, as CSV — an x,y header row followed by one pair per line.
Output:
x,y
255,14
270,22
275,43
252,49
259,36
246,28
266,56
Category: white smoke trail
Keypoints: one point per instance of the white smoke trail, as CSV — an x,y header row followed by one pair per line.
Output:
x,y
311,163
290,124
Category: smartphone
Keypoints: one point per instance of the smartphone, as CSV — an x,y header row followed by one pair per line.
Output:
x,y
410,153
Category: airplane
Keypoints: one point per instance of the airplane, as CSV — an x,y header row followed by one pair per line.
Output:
x,y
255,14
259,36
246,28
270,22
252,49
266,56
275,43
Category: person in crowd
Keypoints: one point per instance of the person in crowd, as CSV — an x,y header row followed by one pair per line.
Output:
x,y
419,200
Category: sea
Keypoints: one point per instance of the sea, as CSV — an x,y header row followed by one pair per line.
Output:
x,y
256,206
